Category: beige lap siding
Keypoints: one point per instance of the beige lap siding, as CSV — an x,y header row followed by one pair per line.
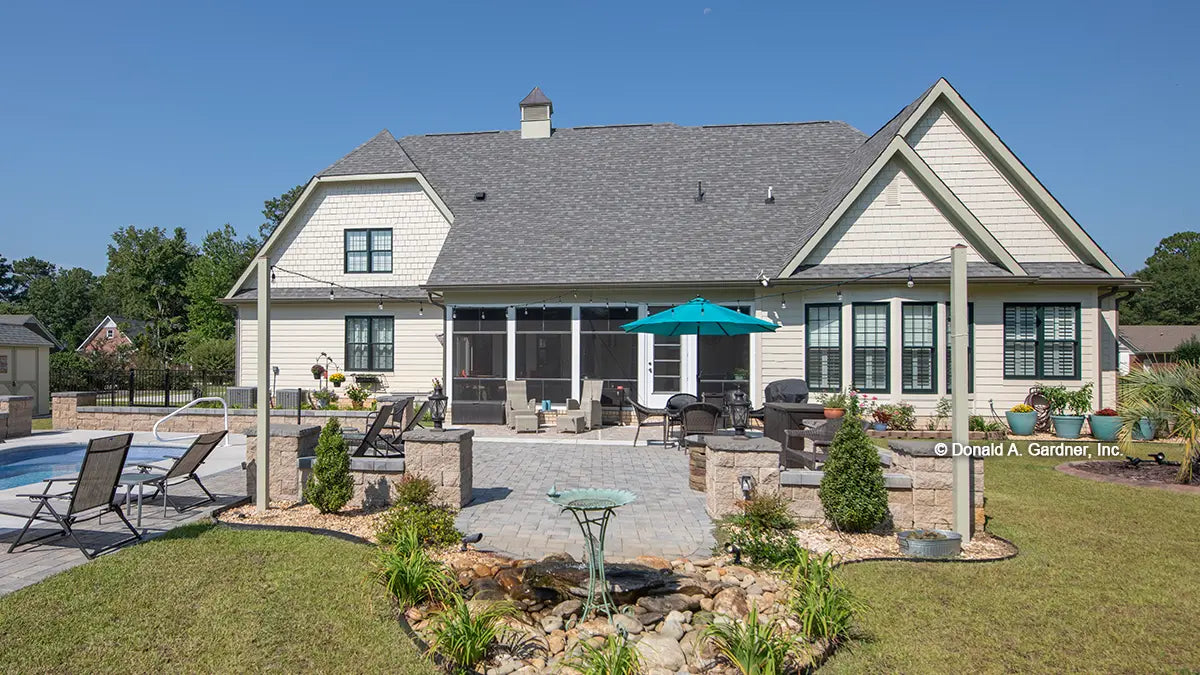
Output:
x,y
300,332
781,354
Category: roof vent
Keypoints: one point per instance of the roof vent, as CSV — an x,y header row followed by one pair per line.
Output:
x,y
536,110
480,196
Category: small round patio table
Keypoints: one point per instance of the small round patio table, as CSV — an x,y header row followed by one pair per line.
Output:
x,y
592,509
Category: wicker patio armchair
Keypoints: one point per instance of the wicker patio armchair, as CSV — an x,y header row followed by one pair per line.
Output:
x,y
648,417
698,419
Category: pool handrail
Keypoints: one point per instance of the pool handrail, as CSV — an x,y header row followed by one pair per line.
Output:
x,y
187,405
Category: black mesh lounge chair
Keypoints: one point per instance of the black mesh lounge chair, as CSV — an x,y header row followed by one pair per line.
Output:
x,y
91,497
648,417
373,443
184,470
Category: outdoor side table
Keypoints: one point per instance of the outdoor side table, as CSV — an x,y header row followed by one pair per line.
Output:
x,y
136,479
592,509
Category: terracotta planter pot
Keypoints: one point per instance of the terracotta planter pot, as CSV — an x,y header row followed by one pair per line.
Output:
x,y
834,413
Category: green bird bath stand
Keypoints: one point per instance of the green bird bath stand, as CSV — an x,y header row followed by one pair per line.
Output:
x,y
592,509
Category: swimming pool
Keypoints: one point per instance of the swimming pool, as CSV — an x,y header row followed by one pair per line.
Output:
x,y
31,465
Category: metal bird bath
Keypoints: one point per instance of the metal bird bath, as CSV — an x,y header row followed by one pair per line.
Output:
x,y
592,508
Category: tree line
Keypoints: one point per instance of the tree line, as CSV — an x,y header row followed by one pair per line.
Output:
x,y
154,276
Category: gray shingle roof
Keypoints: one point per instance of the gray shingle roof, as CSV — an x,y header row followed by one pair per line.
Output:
x,y
18,335
381,154
612,204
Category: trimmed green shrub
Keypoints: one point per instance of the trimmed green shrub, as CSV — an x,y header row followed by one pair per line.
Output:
x,y
762,547
414,490
434,525
330,486
852,491
764,511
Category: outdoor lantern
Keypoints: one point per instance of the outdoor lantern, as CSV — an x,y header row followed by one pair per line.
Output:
x,y
437,405
739,411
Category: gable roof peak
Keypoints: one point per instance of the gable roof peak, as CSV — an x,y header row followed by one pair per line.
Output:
x,y
380,154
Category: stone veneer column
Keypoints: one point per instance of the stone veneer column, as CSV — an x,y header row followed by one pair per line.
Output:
x,y
64,407
444,457
289,442
20,415
933,483
727,459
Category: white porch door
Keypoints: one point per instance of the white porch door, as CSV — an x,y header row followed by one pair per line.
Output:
x,y
670,365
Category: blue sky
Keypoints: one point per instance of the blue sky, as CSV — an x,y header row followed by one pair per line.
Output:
x,y
191,114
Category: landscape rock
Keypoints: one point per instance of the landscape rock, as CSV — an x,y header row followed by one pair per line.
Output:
x,y
648,619
552,623
566,608
660,651
627,623
666,603
671,629
731,601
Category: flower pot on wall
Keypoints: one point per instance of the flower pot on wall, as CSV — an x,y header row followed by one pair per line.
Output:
x,y
1021,423
1104,427
1068,426
834,413
880,426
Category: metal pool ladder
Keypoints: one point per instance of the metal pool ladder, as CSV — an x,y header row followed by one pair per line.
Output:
x,y
187,405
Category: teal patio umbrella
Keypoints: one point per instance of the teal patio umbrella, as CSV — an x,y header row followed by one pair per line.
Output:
x,y
699,317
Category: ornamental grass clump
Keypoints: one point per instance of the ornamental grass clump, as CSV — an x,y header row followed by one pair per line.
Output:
x,y
852,490
822,605
410,576
330,486
617,656
754,647
465,634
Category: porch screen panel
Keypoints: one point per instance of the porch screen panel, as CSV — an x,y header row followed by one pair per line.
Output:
x,y
480,353
918,348
823,347
544,352
869,358
723,361
608,353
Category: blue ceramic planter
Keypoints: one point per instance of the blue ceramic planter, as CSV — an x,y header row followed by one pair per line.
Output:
x,y
1021,423
1143,430
880,426
1104,427
1068,426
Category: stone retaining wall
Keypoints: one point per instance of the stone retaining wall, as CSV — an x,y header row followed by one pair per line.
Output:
x,y
445,457
18,412
289,442
919,482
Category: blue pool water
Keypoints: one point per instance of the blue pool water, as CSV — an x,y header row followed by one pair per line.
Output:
x,y
32,465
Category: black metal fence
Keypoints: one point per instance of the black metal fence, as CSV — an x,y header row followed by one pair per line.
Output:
x,y
144,386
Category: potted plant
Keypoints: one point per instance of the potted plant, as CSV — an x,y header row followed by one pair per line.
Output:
x,y
882,417
921,543
1021,419
1067,408
835,405
1105,424
357,396
337,379
318,372
1144,430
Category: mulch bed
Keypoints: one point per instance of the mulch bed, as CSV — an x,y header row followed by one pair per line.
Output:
x,y
1148,474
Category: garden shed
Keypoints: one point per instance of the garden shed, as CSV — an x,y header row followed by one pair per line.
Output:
x,y
25,346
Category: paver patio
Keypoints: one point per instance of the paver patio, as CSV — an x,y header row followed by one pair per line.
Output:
x,y
510,507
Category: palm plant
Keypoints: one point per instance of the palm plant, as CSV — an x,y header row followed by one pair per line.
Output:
x,y
1170,397
752,646
616,657
464,635
409,574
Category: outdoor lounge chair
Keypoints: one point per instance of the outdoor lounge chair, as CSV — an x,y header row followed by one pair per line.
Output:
x,y
91,497
589,403
373,442
648,417
183,470
516,399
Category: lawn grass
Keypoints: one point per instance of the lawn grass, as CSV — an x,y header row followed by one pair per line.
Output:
x,y
1105,582
210,599
43,423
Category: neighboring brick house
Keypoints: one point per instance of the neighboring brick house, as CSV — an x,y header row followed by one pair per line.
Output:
x,y
1154,345
484,256
111,334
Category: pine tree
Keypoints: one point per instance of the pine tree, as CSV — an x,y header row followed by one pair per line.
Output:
x,y
330,485
852,490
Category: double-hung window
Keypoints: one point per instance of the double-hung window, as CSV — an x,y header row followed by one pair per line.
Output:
x,y
368,251
918,353
823,347
1041,341
869,356
970,349
369,343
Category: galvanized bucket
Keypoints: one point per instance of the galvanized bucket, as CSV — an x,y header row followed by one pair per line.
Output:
x,y
947,545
